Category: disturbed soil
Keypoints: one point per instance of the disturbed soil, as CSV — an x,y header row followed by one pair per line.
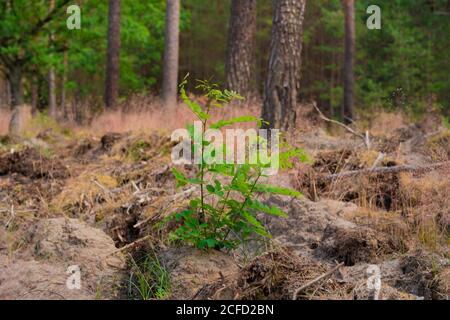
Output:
x,y
97,203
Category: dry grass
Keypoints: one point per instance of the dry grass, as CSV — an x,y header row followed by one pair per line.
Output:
x,y
419,212
438,146
147,114
426,205
385,123
81,193
390,223
138,113
410,207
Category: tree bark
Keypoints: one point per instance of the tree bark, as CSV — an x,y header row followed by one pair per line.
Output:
x,y
8,94
34,95
171,51
15,80
63,83
51,77
113,55
348,106
52,93
282,83
241,43
3,94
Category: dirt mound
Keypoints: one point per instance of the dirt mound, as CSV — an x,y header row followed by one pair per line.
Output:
x,y
354,245
32,164
190,269
376,190
303,230
329,162
55,245
416,275
411,134
142,147
362,292
82,148
81,193
320,230
277,274
438,146
109,140
23,191
425,275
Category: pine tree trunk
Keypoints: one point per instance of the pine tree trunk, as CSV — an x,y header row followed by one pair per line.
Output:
x,y
2,91
348,106
52,93
63,84
51,77
241,43
15,80
171,51
77,107
113,55
34,95
282,83
8,94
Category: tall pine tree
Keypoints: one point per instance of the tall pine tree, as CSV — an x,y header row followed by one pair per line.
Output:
x,y
282,83
113,54
171,51
348,106
241,42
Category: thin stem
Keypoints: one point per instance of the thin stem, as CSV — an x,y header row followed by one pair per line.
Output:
x,y
202,166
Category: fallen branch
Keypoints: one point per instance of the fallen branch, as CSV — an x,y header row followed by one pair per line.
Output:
x,y
310,283
377,160
130,245
170,200
364,138
388,170
105,190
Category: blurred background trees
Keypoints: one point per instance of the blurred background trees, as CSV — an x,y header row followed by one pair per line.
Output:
x,y
403,65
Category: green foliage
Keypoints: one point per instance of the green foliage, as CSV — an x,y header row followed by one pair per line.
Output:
x,y
142,42
402,65
42,122
404,62
142,45
149,279
136,152
446,122
225,213
25,46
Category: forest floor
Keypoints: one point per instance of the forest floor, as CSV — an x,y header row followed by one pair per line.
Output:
x,y
96,200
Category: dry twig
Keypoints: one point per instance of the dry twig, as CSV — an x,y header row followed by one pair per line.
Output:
x,y
130,245
321,277
364,138
387,170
